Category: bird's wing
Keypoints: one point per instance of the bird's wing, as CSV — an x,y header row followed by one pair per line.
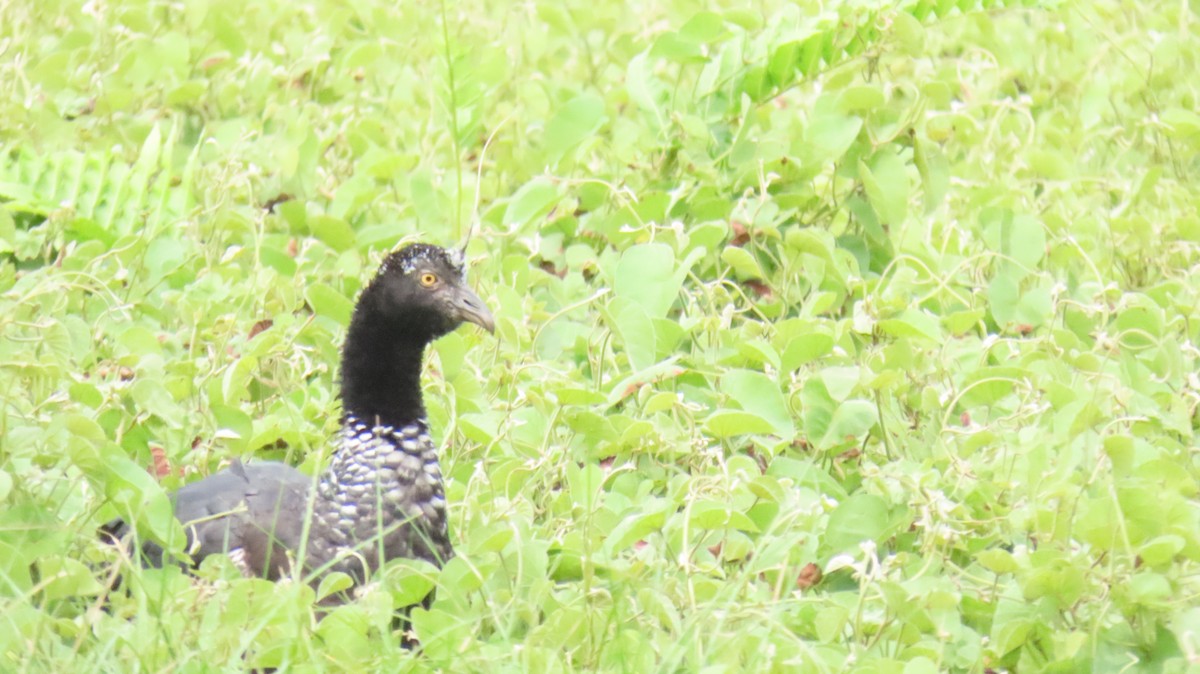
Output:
x,y
252,511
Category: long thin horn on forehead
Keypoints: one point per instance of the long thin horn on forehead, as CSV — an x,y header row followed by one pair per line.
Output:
x,y
467,239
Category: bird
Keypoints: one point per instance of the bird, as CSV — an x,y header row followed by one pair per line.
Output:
x,y
381,496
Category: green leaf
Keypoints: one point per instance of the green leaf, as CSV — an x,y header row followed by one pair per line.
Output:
x,y
1010,635
715,515
63,577
636,330
1020,237
831,622
333,232
910,34
345,630
409,581
637,526
1139,326
153,397
935,173
818,408
235,383
726,423
643,89
760,395
646,274
627,386
533,200
850,421
187,94
1161,550
333,583
325,301
1004,295
759,351
490,537
427,201
887,185
961,322
840,381
1050,163
997,561
703,26
8,229
860,98
804,349
1149,588
806,474
768,489
1183,123
913,323
988,385
829,133
1035,308
676,47
572,124
131,487
742,262
861,517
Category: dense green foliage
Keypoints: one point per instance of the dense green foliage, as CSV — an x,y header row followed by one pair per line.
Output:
x,y
852,338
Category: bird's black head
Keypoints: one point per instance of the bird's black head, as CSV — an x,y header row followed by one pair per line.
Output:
x,y
423,288
418,295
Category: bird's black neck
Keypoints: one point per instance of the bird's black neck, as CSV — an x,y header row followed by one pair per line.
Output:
x,y
381,364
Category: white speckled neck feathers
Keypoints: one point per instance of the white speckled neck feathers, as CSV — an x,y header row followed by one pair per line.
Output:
x,y
386,477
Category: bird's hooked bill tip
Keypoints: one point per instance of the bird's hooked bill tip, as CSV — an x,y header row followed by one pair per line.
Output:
x,y
485,321
473,310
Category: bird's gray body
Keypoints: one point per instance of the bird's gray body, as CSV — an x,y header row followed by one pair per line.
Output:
x,y
381,497
247,510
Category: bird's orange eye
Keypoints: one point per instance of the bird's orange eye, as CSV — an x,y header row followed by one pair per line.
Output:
x,y
428,279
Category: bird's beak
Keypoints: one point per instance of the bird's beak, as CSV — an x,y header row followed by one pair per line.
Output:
x,y
471,308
